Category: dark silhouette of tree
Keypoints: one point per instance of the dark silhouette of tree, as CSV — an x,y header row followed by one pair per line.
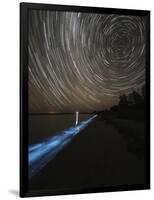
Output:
x,y
137,98
130,99
114,108
123,101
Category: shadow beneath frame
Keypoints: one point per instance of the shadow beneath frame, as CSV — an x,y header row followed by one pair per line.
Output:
x,y
14,192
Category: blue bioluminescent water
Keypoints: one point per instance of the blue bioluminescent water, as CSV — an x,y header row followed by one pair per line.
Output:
x,y
40,154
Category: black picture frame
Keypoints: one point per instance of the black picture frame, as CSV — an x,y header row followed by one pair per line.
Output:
x,y
24,9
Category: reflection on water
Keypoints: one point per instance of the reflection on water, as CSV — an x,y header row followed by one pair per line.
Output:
x,y
41,153
98,156
44,126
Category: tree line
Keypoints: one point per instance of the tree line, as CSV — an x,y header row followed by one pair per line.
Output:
x,y
133,98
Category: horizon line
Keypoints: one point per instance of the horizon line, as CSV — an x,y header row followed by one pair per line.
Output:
x,y
62,113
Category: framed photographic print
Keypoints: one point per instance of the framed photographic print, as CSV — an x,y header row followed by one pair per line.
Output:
x,y
85,99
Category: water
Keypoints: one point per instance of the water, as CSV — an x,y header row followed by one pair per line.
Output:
x,y
45,126
43,152
100,155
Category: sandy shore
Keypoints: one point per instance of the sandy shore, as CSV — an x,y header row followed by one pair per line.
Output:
x,y
97,157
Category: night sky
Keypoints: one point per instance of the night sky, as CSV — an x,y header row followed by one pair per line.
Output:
x,y
82,61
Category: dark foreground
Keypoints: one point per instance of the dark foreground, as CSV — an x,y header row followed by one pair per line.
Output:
x,y
106,153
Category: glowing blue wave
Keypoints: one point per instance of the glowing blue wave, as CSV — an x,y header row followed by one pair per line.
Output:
x,y
40,154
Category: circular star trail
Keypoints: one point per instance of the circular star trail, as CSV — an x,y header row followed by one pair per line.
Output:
x,y
82,61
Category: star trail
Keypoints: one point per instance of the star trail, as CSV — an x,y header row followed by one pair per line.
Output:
x,y
82,61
